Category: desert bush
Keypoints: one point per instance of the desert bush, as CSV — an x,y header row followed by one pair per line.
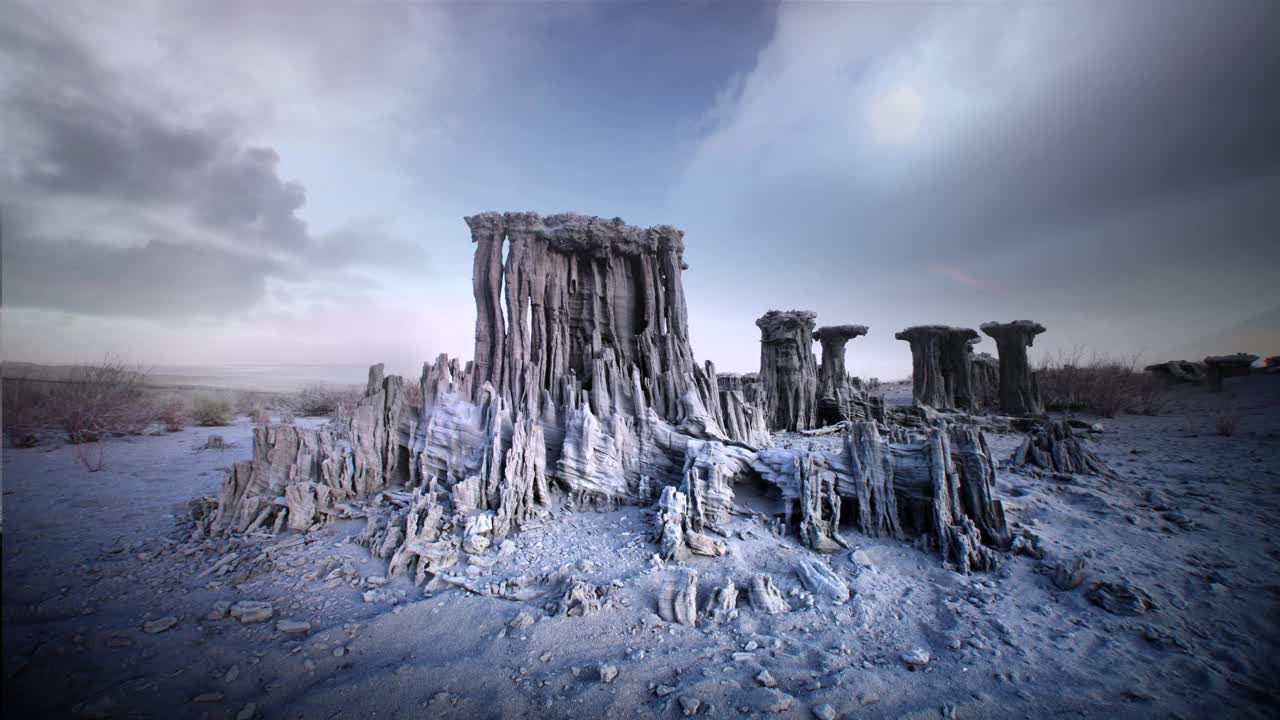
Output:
x,y
1101,385
211,411
25,404
321,400
1226,417
173,415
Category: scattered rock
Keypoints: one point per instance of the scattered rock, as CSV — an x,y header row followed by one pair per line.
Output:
x,y
766,679
768,700
689,705
247,712
663,690
293,627
252,611
1068,575
523,619
1120,598
916,658
824,712
608,673
159,626
819,579
220,610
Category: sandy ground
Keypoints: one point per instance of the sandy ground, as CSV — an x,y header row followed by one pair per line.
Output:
x,y
91,558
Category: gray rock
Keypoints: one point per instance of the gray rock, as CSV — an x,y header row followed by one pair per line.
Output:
x,y
689,705
159,626
824,712
916,658
252,611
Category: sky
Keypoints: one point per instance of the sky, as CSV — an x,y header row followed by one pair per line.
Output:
x,y
285,182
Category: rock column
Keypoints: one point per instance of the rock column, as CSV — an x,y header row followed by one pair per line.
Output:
x,y
833,379
788,371
1019,394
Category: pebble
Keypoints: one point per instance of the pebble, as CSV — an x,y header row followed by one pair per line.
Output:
x,y
824,712
159,626
339,651
689,705
766,679
247,712
251,611
293,627
608,673
916,658
523,620
232,674
663,690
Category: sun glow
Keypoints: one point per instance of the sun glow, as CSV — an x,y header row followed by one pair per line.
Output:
x,y
895,116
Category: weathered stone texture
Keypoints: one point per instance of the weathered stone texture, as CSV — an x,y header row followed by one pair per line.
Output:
x,y
788,371
1019,394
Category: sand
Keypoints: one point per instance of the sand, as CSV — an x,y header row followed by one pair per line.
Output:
x,y
92,561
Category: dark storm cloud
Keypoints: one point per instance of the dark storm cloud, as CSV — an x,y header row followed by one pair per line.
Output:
x,y
117,200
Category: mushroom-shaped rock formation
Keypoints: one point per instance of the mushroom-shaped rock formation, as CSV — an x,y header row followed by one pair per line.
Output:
x,y
1219,367
940,372
1019,394
837,398
788,372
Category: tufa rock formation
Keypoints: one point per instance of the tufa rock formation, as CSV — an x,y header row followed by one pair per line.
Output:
x,y
788,372
1224,366
1055,447
941,376
985,380
584,393
838,398
1019,394
1179,371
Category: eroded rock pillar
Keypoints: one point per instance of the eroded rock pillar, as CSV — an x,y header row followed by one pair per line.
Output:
x,y
1019,394
788,371
927,385
833,379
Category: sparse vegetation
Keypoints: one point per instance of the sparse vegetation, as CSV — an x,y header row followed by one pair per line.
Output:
x,y
1102,385
173,415
210,411
320,400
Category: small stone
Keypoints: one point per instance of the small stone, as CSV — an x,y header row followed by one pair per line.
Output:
x,y
824,712
159,626
770,700
860,557
293,627
751,645
522,620
766,679
608,673
209,697
220,610
339,651
247,712
252,611
232,674
663,690
689,705
916,658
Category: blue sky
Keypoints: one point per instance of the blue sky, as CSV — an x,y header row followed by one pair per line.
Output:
x,y
285,182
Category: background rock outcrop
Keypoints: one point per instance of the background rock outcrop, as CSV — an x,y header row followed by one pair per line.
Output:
x,y
941,376
1019,394
838,397
788,371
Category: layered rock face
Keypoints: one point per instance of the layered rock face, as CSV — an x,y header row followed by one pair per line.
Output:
x,y
788,371
1019,394
838,398
941,373
936,486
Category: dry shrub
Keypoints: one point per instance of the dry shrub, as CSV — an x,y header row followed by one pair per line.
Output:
x,y
25,404
1227,417
173,415
1102,385
210,411
321,400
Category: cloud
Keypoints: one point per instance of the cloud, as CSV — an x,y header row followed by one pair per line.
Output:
x,y
119,198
